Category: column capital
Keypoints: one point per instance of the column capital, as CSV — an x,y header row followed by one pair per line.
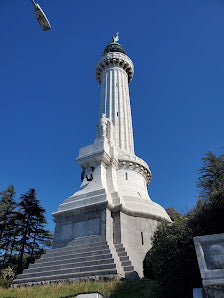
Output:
x,y
114,59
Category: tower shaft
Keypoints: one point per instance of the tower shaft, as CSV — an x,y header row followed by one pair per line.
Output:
x,y
114,72
115,104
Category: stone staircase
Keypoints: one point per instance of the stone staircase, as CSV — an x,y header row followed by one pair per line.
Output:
x,y
77,261
125,262
82,259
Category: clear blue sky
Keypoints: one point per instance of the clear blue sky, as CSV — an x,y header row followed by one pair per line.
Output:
x,y
49,97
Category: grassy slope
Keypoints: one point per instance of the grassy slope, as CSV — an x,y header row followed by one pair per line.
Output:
x,y
113,289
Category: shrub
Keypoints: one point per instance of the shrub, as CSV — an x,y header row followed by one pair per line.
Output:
x,y
6,278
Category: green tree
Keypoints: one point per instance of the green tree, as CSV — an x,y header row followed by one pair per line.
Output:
x,y
11,254
34,236
211,180
174,214
207,216
7,213
7,205
172,259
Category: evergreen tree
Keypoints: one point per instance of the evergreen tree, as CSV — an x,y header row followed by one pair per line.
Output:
x,y
33,234
7,205
7,214
207,217
11,258
211,180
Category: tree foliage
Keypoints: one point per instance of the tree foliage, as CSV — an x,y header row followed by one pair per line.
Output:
x,y
22,229
173,214
7,215
32,232
211,180
207,216
7,205
172,259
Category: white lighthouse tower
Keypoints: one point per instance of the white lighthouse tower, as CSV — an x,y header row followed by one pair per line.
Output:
x,y
104,230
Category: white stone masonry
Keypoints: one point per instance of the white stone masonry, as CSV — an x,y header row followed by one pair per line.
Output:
x,y
114,72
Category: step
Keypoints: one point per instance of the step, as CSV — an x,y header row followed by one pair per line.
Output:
x,y
71,260
44,273
77,247
120,249
87,239
122,254
90,274
126,263
69,265
119,245
84,240
72,249
78,255
128,268
125,258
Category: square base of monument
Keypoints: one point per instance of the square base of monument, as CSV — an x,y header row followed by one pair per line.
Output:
x,y
93,245
81,226
133,232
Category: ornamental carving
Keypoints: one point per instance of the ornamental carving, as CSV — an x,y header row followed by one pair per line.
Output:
x,y
87,174
137,167
216,256
114,59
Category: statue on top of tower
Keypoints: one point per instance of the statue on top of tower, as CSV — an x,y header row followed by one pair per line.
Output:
x,y
115,38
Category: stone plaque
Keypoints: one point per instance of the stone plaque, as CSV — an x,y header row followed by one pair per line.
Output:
x,y
210,255
72,230
87,227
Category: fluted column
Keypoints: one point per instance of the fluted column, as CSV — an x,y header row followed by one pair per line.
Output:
x,y
114,71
